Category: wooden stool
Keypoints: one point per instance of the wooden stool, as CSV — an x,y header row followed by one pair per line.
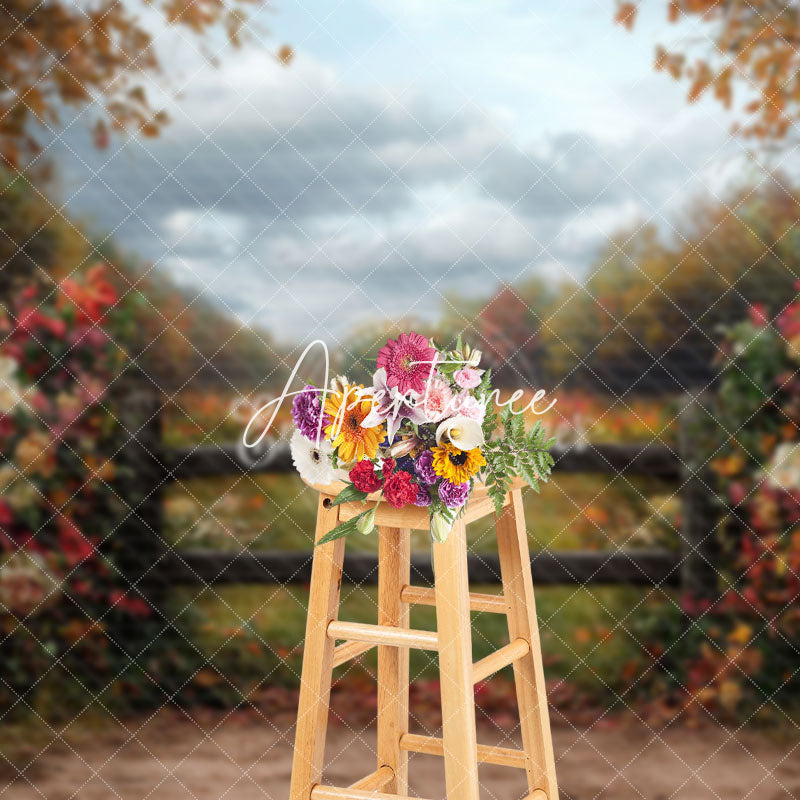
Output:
x,y
393,637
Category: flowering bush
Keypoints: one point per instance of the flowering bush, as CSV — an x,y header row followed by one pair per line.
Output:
x,y
739,655
60,595
422,435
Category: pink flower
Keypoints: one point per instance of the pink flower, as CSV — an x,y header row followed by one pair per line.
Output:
x,y
408,361
468,377
437,401
758,314
468,406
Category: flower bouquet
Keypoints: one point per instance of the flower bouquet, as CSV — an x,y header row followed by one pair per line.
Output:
x,y
423,434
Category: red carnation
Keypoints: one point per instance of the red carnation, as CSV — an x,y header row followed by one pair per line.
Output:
x,y
364,478
399,490
388,467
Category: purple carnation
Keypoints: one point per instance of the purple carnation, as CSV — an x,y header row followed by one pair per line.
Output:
x,y
454,495
423,466
306,411
423,496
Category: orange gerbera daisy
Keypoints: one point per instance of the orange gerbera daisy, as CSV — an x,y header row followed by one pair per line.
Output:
x,y
347,410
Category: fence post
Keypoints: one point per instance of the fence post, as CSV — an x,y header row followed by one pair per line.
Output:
x,y
700,515
139,544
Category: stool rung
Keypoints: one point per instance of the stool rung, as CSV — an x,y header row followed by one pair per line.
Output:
x,y
494,662
383,634
537,794
420,595
320,792
487,754
375,781
349,650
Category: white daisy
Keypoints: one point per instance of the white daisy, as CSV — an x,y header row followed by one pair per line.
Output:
x,y
312,462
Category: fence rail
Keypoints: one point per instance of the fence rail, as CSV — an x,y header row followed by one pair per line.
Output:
x,y
691,566
631,568
225,459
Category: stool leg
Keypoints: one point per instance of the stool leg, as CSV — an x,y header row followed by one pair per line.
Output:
x,y
315,685
455,665
512,545
394,572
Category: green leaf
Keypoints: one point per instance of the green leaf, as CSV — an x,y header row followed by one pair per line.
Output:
x,y
343,529
348,495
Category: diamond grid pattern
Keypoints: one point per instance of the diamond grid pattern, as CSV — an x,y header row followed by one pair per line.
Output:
x,y
469,328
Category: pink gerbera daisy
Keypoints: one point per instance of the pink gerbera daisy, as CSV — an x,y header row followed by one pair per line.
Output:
x,y
408,361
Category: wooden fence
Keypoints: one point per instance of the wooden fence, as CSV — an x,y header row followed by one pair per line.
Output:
x,y
147,560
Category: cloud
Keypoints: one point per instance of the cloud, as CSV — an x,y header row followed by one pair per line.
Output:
x,y
308,202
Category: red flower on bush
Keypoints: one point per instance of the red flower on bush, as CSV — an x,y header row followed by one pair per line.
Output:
x,y
75,547
134,606
758,314
6,515
91,298
399,489
364,478
35,323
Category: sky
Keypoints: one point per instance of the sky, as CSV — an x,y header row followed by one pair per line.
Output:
x,y
411,150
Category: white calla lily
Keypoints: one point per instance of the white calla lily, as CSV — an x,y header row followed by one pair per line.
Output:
x,y
463,432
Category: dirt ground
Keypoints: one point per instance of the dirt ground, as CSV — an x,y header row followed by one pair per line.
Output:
x,y
242,757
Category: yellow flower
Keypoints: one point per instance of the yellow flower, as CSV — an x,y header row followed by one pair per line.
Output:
x,y
457,466
347,409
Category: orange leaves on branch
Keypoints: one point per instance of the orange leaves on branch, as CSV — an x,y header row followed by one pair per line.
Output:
x,y
626,14
670,62
701,77
65,54
722,87
755,45
673,11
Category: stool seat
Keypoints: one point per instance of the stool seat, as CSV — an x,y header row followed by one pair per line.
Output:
x,y
479,505
452,641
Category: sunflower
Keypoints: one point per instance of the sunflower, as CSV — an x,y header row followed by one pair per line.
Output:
x,y
456,466
347,410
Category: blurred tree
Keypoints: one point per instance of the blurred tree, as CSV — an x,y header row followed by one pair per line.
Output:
x,y
651,314
178,334
35,241
752,44
182,336
509,324
68,53
460,314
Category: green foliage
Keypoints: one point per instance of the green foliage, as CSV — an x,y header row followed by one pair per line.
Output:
x,y
514,452
344,528
348,495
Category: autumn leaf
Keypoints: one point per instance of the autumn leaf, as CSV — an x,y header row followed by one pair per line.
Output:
x,y
626,15
285,54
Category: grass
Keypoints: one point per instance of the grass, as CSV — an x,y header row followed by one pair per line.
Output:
x,y
277,512
255,633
